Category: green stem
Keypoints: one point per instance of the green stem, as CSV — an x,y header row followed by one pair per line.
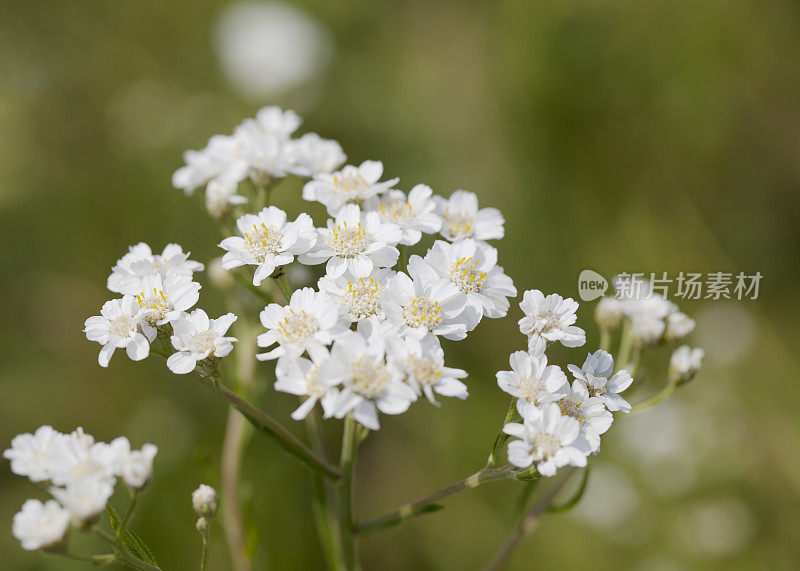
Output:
x,y
605,339
283,286
324,516
424,504
625,345
204,553
94,559
502,436
247,283
126,518
527,525
655,399
345,492
268,425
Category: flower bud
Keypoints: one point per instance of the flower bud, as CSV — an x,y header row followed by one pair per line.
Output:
x,y
684,363
646,330
608,313
678,325
201,525
204,501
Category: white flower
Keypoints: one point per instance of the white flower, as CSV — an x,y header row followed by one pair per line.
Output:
x,y
646,310
40,525
678,325
646,329
608,313
369,383
196,337
311,155
685,362
461,218
29,453
268,242
358,298
267,155
472,267
550,318
274,122
221,194
419,307
130,271
597,374
414,215
163,300
136,467
546,439
355,242
76,458
219,159
351,185
117,326
85,498
589,411
301,376
308,323
422,361
205,501
532,381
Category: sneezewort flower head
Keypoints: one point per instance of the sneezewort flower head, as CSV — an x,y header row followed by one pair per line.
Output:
x,y
472,268
550,319
221,158
684,363
309,322
29,453
356,243
197,338
163,300
597,374
461,218
130,271
119,326
351,185
547,440
590,412
358,298
302,377
311,155
422,362
41,525
369,383
414,215
532,381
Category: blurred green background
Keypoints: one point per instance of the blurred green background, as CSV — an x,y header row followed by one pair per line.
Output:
x,y
615,135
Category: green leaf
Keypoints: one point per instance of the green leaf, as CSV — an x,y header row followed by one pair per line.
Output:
x,y
132,542
576,497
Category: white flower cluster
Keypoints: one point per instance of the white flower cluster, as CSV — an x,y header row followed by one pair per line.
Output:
x,y
79,473
561,422
261,149
157,290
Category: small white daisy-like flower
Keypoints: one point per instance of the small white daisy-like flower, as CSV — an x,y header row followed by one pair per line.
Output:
x,y
205,501
678,325
351,185
358,298
275,122
196,338
130,271
221,158
311,155
532,381
422,361
685,362
267,241
420,307
40,525
76,458
309,323
117,327
221,194
546,439
267,155
29,453
300,376
598,375
85,498
415,214
135,467
461,218
647,330
589,411
355,242
369,383
550,318
163,300
472,267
